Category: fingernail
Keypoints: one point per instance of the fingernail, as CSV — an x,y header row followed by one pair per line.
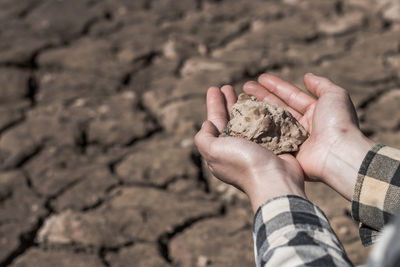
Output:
x,y
250,85
310,74
203,124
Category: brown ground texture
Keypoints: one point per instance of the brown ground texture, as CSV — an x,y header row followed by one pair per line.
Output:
x,y
99,102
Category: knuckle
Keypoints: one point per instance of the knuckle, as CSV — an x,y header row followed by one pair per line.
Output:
x,y
212,154
198,141
212,170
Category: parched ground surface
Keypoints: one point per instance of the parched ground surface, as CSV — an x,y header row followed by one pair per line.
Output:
x,y
99,101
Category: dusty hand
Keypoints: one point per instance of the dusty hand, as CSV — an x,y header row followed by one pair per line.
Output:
x,y
336,147
241,163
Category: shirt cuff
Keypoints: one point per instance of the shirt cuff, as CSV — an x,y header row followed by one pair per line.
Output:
x,y
284,220
376,195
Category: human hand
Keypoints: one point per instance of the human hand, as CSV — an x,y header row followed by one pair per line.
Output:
x,y
336,147
244,164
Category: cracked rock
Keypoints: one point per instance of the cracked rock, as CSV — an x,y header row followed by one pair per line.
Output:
x,y
56,168
160,74
379,115
195,65
289,28
16,145
148,166
137,39
388,138
20,210
60,19
173,115
90,191
343,24
66,86
347,229
111,178
9,9
19,42
394,62
175,101
53,123
145,255
119,121
316,51
13,85
367,52
391,11
210,30
268,125
170,9
12,113
37,257
204,244
85,56
135,213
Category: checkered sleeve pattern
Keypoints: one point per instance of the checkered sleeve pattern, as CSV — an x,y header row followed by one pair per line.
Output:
x,y
376,195
292,231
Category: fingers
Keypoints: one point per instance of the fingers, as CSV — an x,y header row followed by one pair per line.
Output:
x,y
216,108
230,97
205,137
263,94
319,85
290,94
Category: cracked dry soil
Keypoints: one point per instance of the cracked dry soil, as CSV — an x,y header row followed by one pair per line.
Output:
x,y
100,99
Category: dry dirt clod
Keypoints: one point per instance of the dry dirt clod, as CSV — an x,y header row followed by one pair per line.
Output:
x,y
271,126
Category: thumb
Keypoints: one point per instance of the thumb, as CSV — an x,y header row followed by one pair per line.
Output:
x,y
319,85
205,137
339,97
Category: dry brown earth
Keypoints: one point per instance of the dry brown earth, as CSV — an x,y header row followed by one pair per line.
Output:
x,y
100,99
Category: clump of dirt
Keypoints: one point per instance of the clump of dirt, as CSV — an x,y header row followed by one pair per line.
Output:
x,y
269,125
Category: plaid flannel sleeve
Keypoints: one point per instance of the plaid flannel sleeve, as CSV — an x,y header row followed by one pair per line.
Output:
x,y
376,195
292,231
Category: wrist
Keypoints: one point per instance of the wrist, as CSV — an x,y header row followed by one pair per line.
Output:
x,y
344,161
272,185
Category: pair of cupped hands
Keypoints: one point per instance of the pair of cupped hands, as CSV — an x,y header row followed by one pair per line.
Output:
x,y
332,154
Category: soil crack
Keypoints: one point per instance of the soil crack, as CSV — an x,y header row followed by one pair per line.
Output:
x,y
165,238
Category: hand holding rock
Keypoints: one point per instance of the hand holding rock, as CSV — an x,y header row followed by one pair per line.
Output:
x,y
269,125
